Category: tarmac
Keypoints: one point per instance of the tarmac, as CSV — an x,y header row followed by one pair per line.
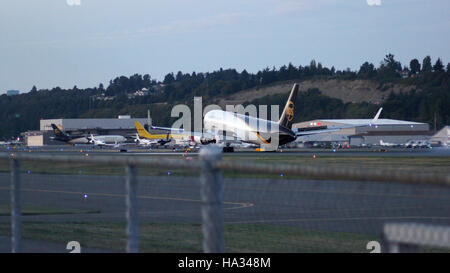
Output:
x,y
319,205
341,206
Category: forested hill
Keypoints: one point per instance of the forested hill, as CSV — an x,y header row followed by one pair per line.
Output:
x,y
418,92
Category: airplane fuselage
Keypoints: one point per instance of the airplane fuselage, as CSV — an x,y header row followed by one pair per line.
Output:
x,y
78,140
247,128
110,139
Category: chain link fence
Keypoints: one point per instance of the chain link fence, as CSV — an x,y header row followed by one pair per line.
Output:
x,y
119,203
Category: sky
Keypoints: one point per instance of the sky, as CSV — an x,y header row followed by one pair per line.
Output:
x,y
64,43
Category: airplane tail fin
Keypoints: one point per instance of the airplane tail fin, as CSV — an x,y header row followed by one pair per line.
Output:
x,y
377,115
141,130
57,131
287,117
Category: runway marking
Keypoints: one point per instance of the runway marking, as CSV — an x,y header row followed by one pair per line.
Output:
x,y
390,209
239,205
342,192
340,219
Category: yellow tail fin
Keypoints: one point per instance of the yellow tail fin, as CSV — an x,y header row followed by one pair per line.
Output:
x,y
141,131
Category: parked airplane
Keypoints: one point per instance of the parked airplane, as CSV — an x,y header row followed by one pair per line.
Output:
x,y
423,144
182,137
141,132
107,140
388,144
417,144
66,137
151,142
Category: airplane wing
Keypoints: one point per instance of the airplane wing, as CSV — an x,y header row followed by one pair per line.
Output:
x,y
167,129
115,145
314,132
100,143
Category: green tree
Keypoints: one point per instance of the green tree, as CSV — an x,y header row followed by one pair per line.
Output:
x,y
366,70
426,64
147,80
169,78
438,66
391,63
333,70
414,66
313,66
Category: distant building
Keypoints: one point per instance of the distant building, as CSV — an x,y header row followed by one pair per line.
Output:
x,y
139,93
12,92
123,125
404,73
388,130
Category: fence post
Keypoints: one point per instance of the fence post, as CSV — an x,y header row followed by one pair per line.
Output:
x,y
131,209
16,213
212,193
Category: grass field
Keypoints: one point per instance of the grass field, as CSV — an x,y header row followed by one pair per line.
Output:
x,y
5,210
431,165
172,237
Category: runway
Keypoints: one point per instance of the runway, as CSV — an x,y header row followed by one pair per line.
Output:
x,y
346,207
351,207
303,152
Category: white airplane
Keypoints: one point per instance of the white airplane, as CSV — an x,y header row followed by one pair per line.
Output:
x,y
144,142
152,142
417,144
424,144
107,140
388,144
269,135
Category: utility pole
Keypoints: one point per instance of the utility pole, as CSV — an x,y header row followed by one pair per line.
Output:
x,y
435,122
149,119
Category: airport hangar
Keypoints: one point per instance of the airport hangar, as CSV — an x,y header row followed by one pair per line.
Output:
x,y
388,130
123,125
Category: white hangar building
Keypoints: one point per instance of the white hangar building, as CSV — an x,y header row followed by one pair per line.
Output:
x,y
122,125
388,130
